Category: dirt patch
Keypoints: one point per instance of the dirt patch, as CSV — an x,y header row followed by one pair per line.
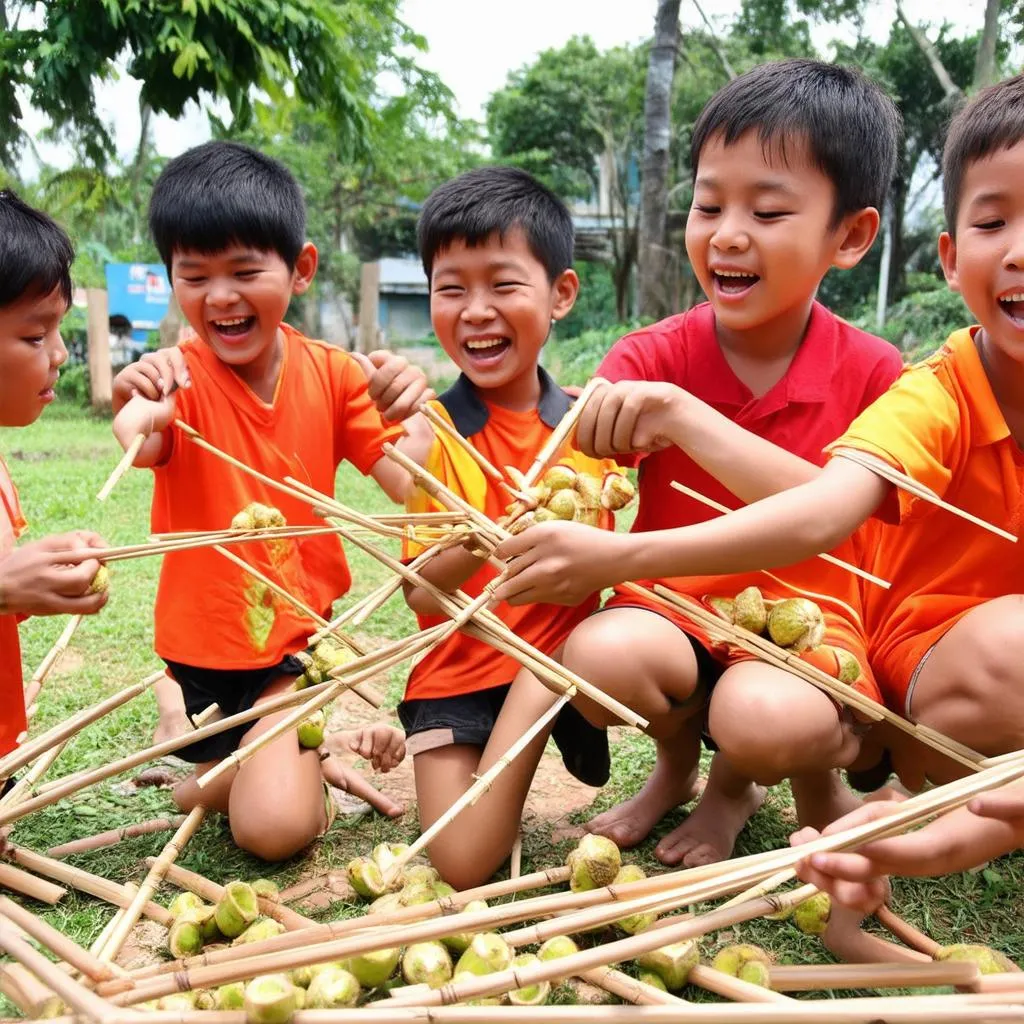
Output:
x,y
145,945
71,662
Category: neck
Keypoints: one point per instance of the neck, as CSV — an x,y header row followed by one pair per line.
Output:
x,y
262,373
517,395
1005,375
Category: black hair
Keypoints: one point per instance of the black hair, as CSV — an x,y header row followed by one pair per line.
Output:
x,y
992,120
852,129
474,205
222,194
35,252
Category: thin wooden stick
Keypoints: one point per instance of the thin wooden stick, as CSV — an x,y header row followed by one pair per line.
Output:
x,y
824,977
24,786
482,784
131,453
725,985
114,836
561,434
92,967
152,881
28,885
441,424
906,932
206,715
630,989
919,490
516,860
27,992
53,656
824,555
29,751
130,889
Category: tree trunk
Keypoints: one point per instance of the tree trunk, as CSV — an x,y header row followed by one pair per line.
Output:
x,y
654,293
985,62
949,87
898,262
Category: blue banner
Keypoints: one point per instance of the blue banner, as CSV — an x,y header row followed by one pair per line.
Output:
x,y
139,292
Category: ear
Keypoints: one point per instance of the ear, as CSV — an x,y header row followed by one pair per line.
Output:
x,y
566,288
947,257
305,269
855,236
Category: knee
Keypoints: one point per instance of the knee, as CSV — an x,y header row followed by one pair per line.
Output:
x,y
998,645
598,655
461,868
274,836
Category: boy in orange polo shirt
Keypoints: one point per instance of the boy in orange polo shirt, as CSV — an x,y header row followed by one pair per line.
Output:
x,y
946,643
35,293
497,249
781,196
229,223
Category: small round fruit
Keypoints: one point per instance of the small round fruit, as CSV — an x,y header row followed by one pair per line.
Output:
x,y
796,623
236,909
270,999
594,863
427,963
811,916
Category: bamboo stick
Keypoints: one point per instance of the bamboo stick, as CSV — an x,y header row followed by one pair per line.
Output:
x,y
482,784
73,993
906,932
439,423
725,985
152,881
206,715
561,434
114,836
27,992
28,885
919,490
824,555
29,751
212,892
131,453
84,881
82,960
49,662
824,977
630,989
516,858
130,889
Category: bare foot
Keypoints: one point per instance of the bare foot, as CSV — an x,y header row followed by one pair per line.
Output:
x,y
348,779
822,798
669,785
709,833
846,941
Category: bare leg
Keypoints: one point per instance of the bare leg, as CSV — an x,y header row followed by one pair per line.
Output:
x,y
170,706
648,663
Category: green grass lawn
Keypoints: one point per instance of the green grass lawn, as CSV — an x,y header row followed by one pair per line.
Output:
x,y
59,464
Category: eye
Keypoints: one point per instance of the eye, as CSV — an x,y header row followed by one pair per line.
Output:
x,y
35,339
507,284
193,280
770,214
448,289
707,208
990,225
246,275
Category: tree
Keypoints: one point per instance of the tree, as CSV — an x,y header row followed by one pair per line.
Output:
x,y
653,295
185,50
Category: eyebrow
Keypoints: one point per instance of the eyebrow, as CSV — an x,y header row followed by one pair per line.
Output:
x,y
991,196
506,265
185,263
765,185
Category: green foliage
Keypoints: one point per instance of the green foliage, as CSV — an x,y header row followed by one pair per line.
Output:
x,y
73,385
921,321
573,361
595,304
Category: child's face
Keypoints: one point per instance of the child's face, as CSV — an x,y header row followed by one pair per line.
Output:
x,y
759,235
986,261
235,299
492,306
31,354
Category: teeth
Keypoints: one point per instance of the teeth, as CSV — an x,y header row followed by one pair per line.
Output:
x,y
483,343
232,323
1015,297
733,273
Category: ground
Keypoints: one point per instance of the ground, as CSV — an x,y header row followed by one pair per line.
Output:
x,y
59,464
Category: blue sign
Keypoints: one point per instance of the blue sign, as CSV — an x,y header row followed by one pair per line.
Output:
x,y
140,292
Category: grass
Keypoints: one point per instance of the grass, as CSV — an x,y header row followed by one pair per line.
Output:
x,y
59,464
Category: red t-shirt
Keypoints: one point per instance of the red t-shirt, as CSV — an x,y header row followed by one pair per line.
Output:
x,y
837,372
12,697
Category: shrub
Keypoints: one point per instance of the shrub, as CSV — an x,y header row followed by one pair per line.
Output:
x,y
73,385
575,360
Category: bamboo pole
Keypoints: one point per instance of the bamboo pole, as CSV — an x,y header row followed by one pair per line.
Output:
x,y
152,881
27,992
212,892
103,938
633,991
824,555
28,885
906,932
825,977
725,985
49,662
440,424
18,793
561,434
114,836
131,453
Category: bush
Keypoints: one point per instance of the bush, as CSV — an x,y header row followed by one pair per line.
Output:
x,y
73,385
575,360
921,321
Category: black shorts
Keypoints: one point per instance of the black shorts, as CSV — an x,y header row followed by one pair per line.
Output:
x,y
233,690
470,717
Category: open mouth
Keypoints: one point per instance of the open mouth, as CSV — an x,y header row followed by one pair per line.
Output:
x,y
1012,305
235,326
483,351
732,282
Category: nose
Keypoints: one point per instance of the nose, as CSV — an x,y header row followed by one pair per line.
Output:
x,y
58,351
730,234
1013,257
478,307
222,292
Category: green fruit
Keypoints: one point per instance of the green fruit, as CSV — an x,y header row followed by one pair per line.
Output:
x,y
427,963
989,961
100,582
532,995
594,863
178,1001
301,976
231,997
811,916
374,968
459,942
265,889
652,979
236,909
330,653
184,901
848,665
312,676
420,874
442,890
563,505
385,904
557,947
311,731
756,973
796,623
749,610
365,877
270,999
672,963
206,918
487,952
744,961
414,895
723,606
616,492
184,939
262,928
332,988
558,478
635,922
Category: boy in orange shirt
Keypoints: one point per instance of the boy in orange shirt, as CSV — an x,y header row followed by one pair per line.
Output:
x,y
35,579
230,225
497,248
945,642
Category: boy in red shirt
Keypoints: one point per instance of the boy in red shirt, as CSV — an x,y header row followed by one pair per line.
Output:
x,y
35,292
230,225
791,163
497,248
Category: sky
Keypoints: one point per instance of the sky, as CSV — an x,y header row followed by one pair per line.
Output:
x,y
474,44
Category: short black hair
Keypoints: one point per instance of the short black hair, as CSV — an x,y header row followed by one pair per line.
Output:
x,y
222,194
35,253
474,205
992,120
851,127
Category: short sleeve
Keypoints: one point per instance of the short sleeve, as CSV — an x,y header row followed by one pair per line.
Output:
x,y
914,427
627,359
359,431
885,372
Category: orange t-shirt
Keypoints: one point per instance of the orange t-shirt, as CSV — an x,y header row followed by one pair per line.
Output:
x,y
209,613
464,664
940,424
12,696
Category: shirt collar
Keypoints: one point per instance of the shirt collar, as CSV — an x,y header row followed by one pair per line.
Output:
x,y
469,412
988,425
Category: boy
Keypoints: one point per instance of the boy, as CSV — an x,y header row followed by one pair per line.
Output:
x,y
229,223
791,163
497,249
35,579
945,641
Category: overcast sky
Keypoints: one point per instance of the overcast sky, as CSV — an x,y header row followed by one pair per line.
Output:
x,y
474,44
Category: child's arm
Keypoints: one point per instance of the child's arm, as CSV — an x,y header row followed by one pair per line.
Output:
x,y
40,578
990,826
447,571
562,563
143,400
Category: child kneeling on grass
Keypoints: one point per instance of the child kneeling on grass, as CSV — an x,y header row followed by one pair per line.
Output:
x,y
229,223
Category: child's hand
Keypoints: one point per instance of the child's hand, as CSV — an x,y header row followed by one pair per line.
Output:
x,y
141,415
154,376
396,386
382,745
631,416
1002,805
560,563
41,579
